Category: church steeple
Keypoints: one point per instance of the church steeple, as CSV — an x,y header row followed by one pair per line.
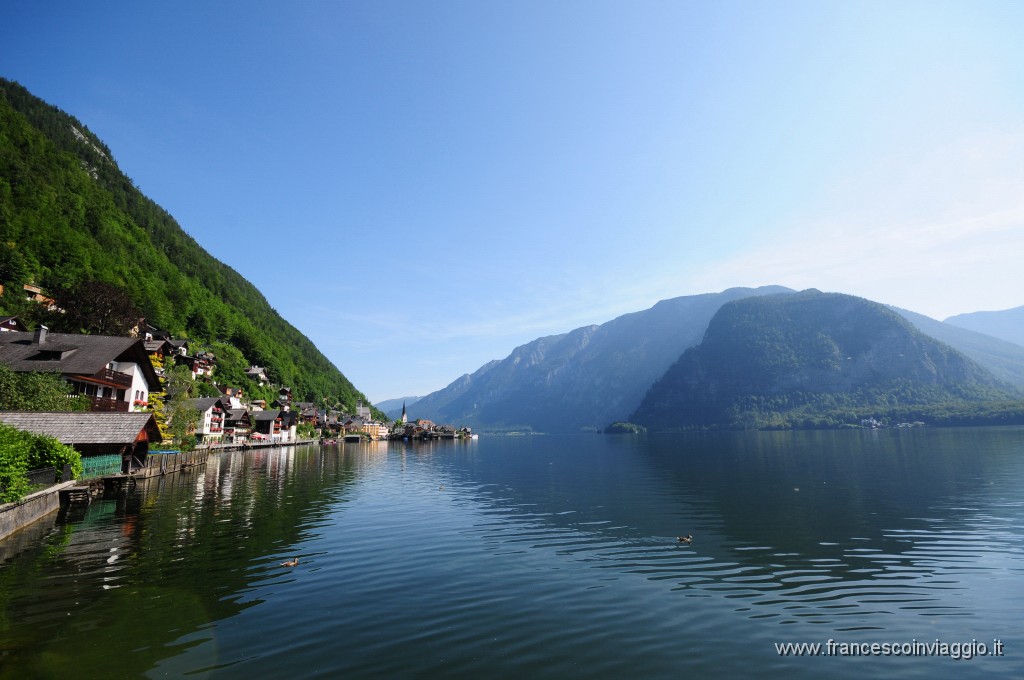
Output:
x,y
405,417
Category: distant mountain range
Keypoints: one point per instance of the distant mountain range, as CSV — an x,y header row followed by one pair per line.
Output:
x,y
583,379
592,376
393,407
1004,359
1006,325
801,360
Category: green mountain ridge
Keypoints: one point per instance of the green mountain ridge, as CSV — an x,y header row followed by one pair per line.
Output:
x,y
69,215
583,379
808,359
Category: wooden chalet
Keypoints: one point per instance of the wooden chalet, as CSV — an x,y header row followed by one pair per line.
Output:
x,y
114,373
237,425
36,294
200,365
267,423
93,433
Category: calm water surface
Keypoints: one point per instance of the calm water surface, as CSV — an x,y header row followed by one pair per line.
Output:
x,y
548,557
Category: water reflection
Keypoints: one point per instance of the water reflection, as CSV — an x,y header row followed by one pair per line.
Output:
x,y
124,577
543,556
835,527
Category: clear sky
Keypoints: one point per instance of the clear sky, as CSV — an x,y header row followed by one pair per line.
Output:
x,y
422,186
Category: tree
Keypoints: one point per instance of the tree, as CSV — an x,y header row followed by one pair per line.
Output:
x,y
23,451
180,418
95,307
37,392
13,271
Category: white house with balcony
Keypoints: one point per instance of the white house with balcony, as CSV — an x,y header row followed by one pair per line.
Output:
x,y
114,373
212,414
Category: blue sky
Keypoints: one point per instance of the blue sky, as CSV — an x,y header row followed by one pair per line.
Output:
x,y
421,187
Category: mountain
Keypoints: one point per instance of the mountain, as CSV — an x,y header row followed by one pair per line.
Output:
x,y
71,221
393,407
812,359
1005,360
1007,324
583,379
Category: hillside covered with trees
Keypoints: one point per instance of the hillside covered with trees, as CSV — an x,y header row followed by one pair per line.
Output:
x,y
815,359
72,223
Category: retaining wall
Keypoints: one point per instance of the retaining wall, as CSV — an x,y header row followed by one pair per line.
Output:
x,y
14,516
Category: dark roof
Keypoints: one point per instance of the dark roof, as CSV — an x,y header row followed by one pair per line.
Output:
x,y
237,415
266,415
155,332
157,345
12,323
203,404
85,427
73,354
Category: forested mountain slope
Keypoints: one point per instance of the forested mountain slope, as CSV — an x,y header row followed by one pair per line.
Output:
x,y
583,379
71,220
814,359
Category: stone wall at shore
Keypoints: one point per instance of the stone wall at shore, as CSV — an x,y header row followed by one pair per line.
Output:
x,y
14,516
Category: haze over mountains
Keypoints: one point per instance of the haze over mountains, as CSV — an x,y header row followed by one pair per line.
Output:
x,y
1007,324
583,379
797,359
592,376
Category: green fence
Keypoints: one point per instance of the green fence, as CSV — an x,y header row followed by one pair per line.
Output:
x,y
100,466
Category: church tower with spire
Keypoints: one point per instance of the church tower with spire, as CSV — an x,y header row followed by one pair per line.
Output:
x,y
405,417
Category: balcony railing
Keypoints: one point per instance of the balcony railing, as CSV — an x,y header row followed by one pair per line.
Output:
x,y
107,404
107,377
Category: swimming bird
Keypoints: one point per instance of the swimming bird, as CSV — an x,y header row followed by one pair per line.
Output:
x,y
291,563
688,538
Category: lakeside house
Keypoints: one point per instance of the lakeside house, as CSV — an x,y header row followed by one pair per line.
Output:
x,y
274,426
93,434
212,413
114,373
237,425
117,374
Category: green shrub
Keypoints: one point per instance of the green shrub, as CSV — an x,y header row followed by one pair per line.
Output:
x,y
23,451
14,454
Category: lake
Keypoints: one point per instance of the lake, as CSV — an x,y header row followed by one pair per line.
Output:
x,y
539,557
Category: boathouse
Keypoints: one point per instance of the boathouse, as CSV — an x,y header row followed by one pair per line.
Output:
x,y
93,433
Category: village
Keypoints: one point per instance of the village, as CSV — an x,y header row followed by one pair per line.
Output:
x,y
122,378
